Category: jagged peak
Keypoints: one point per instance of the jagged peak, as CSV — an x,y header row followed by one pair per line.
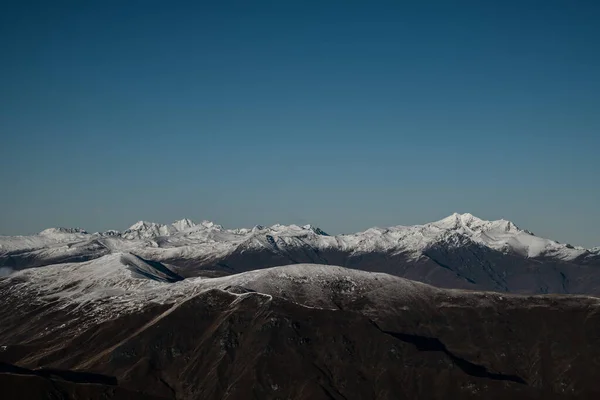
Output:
x,y
293,228
142,225
315,229
145,229
210,224
183,224
51,231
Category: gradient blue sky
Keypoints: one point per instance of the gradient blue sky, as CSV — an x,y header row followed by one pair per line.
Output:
x,y
344,114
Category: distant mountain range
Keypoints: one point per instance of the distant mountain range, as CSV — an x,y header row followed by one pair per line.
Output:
x,y
460,251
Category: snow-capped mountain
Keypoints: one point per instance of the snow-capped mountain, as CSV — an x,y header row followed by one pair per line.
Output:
x,y
460,251
507,237
146,230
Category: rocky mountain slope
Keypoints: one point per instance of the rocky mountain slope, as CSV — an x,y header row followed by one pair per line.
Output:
x,y
460,251
100,329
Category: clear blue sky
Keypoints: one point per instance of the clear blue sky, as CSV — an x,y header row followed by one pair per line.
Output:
x,y
345,114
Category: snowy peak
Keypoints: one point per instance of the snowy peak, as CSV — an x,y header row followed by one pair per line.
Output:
x,y
505,236
54,231
468,223
457,220
147,230
315,229
142,225
183,224
210,225
293,229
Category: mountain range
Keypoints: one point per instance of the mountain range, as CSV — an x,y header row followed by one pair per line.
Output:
x,y
460,251
188,311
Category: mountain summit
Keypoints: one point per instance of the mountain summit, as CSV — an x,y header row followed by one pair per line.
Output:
x,y
468,222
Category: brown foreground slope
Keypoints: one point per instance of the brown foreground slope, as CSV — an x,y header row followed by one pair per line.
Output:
x,y
282,338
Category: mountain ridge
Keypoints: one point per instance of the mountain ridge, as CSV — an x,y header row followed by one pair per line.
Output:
x,y
459,251
463,223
